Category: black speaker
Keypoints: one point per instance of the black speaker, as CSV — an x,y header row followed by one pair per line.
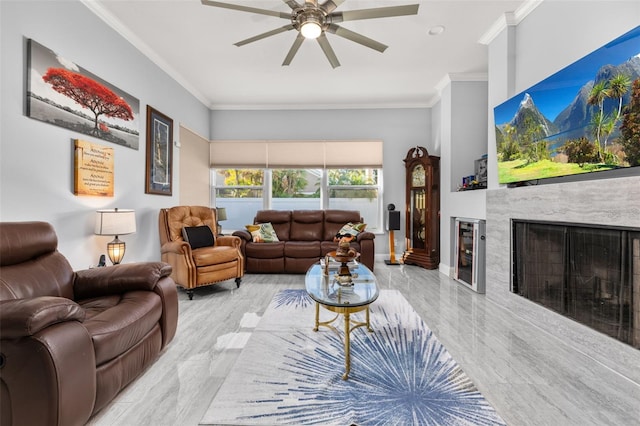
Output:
x,y
393,220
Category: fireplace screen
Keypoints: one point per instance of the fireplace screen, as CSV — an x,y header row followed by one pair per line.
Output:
x,y
589,274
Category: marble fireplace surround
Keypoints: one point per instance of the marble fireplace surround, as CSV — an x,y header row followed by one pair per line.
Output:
x,y
601,202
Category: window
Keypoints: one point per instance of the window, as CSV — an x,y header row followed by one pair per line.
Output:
x,y
241,192
252,175
296,189
244,191
356,189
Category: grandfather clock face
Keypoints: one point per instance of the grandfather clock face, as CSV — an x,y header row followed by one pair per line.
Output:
x,y
418,176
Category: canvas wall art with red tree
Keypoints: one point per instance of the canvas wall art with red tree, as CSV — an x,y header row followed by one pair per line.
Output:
x,y
62,93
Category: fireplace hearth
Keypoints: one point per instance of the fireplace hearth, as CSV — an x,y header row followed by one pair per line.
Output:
x,y
588,273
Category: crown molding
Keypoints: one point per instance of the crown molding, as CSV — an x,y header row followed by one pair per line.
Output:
x,y
509,19
310,107
456,77
144,48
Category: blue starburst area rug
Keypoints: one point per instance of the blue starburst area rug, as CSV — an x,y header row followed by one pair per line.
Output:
x,y
400,373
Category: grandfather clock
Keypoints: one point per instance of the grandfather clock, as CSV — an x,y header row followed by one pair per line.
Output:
x,y
423,209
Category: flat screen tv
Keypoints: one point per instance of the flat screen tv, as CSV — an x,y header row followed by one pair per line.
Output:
x,y
584,118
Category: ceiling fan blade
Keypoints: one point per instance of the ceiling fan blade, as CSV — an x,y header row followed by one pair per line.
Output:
x,y
246,9
328,51
331,5
294,49
379,12
287,27
358,38
293,4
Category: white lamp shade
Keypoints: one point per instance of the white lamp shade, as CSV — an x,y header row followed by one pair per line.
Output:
x,y
115,222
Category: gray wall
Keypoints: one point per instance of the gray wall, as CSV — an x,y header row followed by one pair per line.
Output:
x,y
36,159
463,127
541,52
400,129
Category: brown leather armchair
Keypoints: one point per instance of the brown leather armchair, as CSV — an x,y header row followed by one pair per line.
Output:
x,y
196,267
71,341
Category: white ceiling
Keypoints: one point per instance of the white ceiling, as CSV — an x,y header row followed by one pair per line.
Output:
x,y
194,44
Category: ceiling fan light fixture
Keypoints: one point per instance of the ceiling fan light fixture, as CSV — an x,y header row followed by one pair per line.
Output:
x,y
311,29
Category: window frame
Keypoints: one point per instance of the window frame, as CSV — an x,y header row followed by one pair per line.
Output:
x,y
376,226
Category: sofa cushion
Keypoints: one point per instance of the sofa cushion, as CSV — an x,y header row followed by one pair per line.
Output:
x,y
198,236
117,323
265,266
265,251
206,256
306,225
335,219
302,249
280,220
298,266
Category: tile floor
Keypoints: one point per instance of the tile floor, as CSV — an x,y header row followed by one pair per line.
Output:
x,y
529,376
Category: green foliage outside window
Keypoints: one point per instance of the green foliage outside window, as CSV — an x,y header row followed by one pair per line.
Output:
x,y
289,183
353,177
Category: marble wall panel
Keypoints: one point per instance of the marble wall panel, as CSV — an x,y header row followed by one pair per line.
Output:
x,y
601,201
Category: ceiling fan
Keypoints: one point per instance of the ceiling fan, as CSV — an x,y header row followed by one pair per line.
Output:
x,y
313,21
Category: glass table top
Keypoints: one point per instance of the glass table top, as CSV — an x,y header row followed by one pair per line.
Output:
x,y
326,290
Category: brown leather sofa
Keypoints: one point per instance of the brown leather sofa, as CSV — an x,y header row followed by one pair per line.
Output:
x,y
305,237
71,341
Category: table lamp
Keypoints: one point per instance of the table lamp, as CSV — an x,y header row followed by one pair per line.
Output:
x,y
221,214
115,222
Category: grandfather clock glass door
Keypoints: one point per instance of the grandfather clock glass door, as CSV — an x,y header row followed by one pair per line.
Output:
x,y
423,208
418,211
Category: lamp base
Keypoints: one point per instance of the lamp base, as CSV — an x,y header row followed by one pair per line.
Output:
x,y
392,262
115,250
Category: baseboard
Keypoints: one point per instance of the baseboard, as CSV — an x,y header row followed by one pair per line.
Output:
x,y
446,269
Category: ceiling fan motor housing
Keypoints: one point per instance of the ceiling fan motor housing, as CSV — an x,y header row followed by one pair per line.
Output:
x,y
309,14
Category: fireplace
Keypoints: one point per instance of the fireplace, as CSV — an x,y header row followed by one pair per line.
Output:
x,y
588,273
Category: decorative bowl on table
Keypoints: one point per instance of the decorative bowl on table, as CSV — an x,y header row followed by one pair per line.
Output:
x,y
344,277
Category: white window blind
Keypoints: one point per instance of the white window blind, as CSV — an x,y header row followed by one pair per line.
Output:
x,y
231,154
296,154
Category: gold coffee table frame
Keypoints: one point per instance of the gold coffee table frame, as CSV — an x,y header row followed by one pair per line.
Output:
x,y
349,326
326,292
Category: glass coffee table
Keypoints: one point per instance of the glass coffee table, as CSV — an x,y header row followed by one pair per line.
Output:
x,y
346,299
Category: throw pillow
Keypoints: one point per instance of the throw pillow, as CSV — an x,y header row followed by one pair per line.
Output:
x,y
351,229
198,236
263,233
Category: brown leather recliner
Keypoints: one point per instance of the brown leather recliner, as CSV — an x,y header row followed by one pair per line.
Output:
x,y
202,266
70,341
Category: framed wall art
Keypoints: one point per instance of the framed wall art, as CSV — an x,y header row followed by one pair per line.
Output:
x,y
93,169
61,93
159,169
